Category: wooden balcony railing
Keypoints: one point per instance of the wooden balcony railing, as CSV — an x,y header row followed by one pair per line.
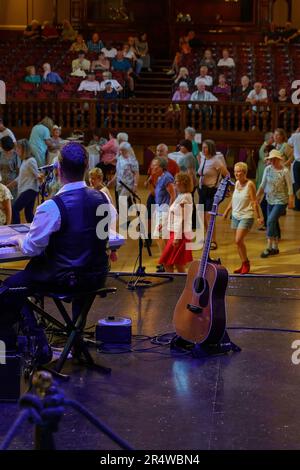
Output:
x,y
155,118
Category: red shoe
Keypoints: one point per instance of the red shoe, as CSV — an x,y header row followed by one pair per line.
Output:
x,y
238,271
245,267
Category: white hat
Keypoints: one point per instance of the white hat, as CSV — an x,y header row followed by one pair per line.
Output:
x,y
274,154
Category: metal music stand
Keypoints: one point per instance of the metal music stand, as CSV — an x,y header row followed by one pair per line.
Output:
x,y
138,278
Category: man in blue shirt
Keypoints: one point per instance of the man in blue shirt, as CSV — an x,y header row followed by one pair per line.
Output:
x,y
51,77
95,44
120,64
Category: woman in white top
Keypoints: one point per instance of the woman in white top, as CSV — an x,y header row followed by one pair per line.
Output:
x,y
27,181
244,208
211,168
175,253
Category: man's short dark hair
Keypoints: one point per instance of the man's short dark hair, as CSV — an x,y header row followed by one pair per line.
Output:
x,y
187,144
73,161
7,143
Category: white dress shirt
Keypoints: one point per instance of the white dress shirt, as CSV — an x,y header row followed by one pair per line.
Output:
x,y
207,80
229,62
109,53
47,220
89,85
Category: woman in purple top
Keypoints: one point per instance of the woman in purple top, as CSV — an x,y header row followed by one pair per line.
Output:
x,y
182,94
222,90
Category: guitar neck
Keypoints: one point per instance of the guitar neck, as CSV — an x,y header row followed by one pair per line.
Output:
x,y
206,248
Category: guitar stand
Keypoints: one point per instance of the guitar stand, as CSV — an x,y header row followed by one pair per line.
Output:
x,y
200,351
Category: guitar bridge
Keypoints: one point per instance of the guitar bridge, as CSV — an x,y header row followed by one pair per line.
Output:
x,y
194,309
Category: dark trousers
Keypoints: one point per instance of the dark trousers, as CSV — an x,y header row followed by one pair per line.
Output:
x,y
296,173
25,201
30,279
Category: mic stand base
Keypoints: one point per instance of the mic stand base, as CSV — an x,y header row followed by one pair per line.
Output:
x,y
140,279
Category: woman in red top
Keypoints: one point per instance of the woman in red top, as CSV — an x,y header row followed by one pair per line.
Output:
x,y
108,156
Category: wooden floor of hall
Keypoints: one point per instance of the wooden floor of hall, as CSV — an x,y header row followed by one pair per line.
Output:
x,y
287,262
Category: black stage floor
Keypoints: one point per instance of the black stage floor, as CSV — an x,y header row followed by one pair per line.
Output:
x,y
246,400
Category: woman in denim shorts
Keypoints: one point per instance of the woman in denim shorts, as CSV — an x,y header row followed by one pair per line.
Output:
x,y
244,208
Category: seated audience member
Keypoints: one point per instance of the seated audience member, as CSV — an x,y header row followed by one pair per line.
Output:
x,y
182,94
183,76
120,64
48,236
129,53
288,34
132,50
107,77
96,181
222,90
32,76
51,77
226,61
28,183
4,131
102,64
204,77
33,30
272,36
68,32
9,164
90,84
208,61
109,51
95,44
49,31
282,96
242,91
201,94
79,44
258,95
109,93
142,50
80,66
5,204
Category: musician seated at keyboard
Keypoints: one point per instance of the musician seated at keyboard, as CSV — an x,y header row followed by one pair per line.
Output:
x,y
66,254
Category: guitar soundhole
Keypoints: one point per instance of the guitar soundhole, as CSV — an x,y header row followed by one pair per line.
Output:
x,y
194,309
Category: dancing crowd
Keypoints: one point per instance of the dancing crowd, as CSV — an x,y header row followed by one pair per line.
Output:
x,y
176,182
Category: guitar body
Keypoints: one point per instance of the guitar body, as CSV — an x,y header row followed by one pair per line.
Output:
x,y
208,324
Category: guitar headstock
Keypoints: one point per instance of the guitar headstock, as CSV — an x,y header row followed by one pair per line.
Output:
x,y
222,190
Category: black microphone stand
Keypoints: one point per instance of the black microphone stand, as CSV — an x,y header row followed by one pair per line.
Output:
x,y
137,279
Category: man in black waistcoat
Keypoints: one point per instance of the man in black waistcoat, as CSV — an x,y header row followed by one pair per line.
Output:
x,y
66,253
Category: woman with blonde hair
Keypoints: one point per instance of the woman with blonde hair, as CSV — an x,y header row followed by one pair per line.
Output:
x,y
96,181
244,207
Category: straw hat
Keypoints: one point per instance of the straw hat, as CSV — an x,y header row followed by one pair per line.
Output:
x,y
274,154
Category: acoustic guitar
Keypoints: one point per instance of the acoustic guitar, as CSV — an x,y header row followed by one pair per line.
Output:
x,y
200,313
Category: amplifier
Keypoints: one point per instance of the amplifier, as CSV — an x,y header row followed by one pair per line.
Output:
x,y
12,383
114,330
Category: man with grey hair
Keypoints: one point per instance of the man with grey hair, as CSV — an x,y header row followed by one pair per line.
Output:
x,y
162,152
